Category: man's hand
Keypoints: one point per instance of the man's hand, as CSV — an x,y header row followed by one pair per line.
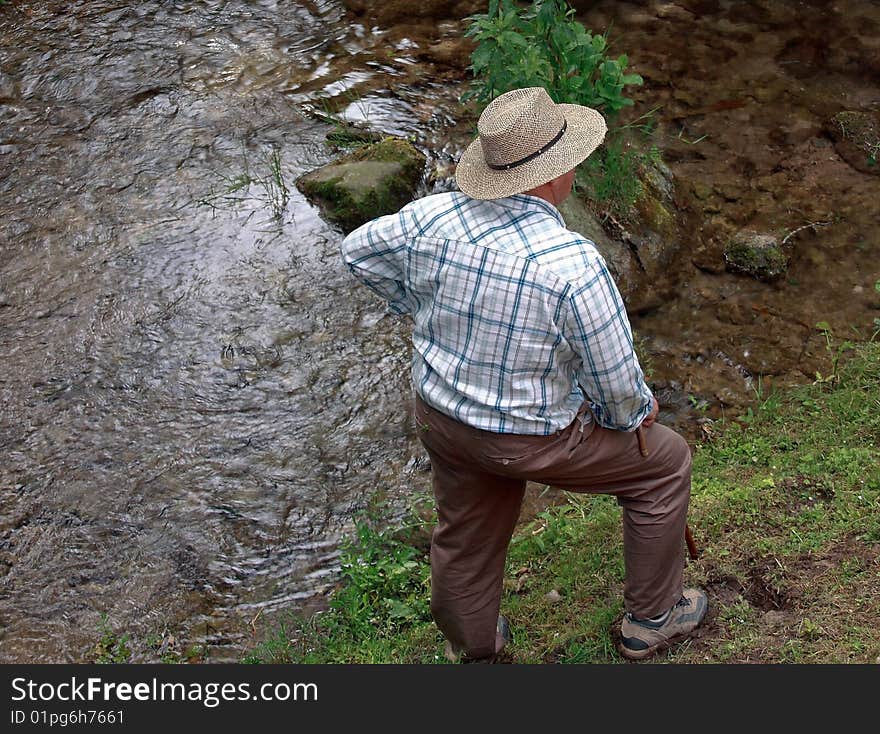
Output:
x,y
652,416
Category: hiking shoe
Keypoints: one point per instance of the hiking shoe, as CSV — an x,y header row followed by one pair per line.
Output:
x,y
502,637
641,638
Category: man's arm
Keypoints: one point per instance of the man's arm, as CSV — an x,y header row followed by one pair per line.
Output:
x,y
374,254
597,328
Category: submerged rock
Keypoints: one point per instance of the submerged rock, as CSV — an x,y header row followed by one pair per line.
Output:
x,y
758,255
857,139
373,180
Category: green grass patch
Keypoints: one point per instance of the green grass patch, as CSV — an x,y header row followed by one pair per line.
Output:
x,y
785,509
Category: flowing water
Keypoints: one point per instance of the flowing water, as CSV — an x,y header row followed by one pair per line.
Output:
x,y
196,398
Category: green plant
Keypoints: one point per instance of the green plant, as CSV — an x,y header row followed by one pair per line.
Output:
x,y
168,650
111,647
876,320
275,189
543,46
271,191
610,178
835,351
386,581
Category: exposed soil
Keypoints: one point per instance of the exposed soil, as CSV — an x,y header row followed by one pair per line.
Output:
x,y
785,595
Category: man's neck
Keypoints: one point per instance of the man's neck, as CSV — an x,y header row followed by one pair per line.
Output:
x,y
545,192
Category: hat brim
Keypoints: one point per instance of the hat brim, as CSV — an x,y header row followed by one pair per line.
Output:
x,y
584,133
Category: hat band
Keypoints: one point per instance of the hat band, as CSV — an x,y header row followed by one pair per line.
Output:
x,y
531,156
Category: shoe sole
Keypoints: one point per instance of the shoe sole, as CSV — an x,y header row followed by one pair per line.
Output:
x,y
651,651
660,647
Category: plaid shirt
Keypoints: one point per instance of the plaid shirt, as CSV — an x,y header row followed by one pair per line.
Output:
x,y
517,320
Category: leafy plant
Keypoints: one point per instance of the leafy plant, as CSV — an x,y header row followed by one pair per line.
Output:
x,y
111,648
542,46
386,582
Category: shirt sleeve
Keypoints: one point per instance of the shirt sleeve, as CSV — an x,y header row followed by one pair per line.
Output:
x,y
374,253
597,328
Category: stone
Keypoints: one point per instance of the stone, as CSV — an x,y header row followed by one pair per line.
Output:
x,y
371,181
553,596
759,255
640,248
856,138
7,87
701,191
454,52
657,239
673,12
617,255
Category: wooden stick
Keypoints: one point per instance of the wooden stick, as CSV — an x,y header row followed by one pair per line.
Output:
x,y
689,539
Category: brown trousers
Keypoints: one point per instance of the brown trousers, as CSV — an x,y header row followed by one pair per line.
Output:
x,y
479,480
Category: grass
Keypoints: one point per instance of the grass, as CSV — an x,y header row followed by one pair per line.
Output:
x,y
267,186
785,510
111,647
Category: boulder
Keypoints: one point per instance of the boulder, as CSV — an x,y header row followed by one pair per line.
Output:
x,y
656,238
641,248
617,254
373,180
856,138
758,255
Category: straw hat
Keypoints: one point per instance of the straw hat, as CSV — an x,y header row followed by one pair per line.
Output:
x,y
525,140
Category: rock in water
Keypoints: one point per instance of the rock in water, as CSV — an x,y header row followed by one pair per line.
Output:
x,y
373,180
756,254
857,139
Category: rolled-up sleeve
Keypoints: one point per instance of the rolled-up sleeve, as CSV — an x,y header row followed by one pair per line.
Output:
x,y
596,326
375,255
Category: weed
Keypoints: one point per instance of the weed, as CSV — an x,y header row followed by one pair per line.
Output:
x,y
273,185
168,650
386,581
701,405
267,187
835,351
610,177
876,320
111,647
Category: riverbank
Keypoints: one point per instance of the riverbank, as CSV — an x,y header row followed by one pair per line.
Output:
x,y
198,398
784,511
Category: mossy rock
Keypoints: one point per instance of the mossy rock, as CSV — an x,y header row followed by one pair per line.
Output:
x,y
857,139
617,255
367,183
755,254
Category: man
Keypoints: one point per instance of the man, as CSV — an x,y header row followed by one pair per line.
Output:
x,y
524,369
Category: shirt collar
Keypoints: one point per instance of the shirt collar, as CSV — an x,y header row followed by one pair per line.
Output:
x,y
536,202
